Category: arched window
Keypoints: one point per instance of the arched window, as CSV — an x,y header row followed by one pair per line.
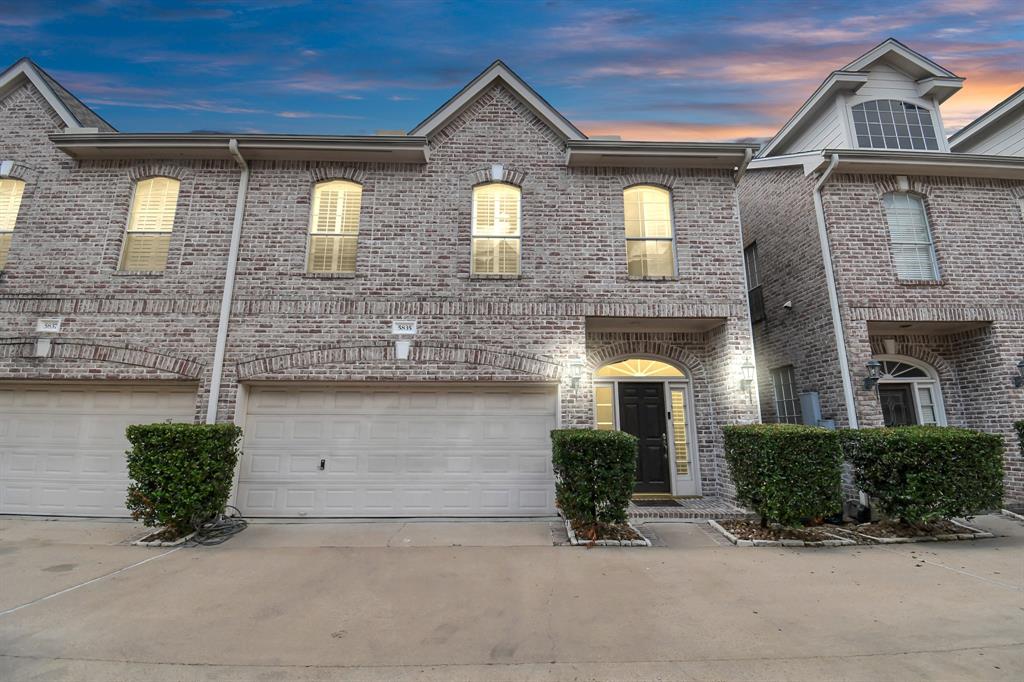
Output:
x,y
10,203
334,226
497,232
892,124
148,236
649,238
913,253
909,392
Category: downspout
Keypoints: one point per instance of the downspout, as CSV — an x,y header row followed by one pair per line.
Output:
x,y
737,176
833,294
229,285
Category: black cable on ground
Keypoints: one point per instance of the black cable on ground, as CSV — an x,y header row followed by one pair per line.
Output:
x,y
220,528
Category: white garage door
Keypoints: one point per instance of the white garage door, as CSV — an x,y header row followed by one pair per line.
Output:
x,y
389,450
62,446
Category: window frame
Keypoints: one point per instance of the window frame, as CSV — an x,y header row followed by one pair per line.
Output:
x,y
671,226
18,182
932,250
787,410
755,296
474,236
904,143
127,232
336,235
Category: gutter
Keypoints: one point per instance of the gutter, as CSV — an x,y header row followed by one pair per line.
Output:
x,y
229,285
833,294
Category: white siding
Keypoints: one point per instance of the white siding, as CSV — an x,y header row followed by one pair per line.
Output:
x,y
825,132
1007,139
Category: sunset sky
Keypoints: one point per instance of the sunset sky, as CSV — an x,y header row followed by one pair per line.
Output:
x,y
643,70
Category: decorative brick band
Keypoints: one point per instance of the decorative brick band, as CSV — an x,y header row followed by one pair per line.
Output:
x,y
74,349
337,172
1009,313
158,169
384,352
621,350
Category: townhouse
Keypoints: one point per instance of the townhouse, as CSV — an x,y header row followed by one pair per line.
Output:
x,y
884,261
396,321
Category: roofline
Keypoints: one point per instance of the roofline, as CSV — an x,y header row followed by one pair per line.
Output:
x,y
896,162
76,97
913,55
457,102
989,117
613,153
26,68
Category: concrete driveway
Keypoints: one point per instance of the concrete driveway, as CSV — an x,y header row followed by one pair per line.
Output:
x,y
444,601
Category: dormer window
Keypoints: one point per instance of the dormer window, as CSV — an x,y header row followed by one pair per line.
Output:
x,y
892,124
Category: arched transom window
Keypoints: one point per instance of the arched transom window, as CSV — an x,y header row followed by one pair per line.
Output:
x,y
334,227
909,392
892,124
649,234
497,233
148,236
913,252
639,367
11,191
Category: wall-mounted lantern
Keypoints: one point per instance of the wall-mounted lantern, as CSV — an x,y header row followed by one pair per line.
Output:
x,y
574,370
874,374
747,382
1018,381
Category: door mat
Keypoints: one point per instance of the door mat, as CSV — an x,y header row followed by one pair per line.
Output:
x,y
657,503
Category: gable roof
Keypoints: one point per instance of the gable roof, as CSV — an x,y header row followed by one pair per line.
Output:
x,y
932,81
71,110
498,71
987,122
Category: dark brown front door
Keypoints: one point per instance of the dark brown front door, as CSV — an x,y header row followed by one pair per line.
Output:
x,y
897,404
642,413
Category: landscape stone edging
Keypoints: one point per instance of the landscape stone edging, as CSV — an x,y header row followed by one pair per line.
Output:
x,y
142,542
576,542
1012,514
838,542
974,534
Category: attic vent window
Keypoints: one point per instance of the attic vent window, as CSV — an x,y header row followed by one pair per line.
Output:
x,y
892,124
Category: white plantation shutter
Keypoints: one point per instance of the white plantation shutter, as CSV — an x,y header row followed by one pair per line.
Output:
x,y
913,253
11,191
149,227
334,226
649,240
497,233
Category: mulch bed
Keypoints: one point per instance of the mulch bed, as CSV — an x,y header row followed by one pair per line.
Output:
x,y
605,531
896,529
752,530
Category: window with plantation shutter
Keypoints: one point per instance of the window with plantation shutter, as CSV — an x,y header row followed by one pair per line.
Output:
x,y
149,227
11,191
497,233
649,240
334,226
913,252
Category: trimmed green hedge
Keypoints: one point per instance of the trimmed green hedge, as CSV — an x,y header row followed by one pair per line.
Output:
x,y
181,473
924,473
785,472
594,473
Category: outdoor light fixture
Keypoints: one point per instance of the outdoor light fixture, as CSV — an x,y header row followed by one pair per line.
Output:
x,y
574,370
871,380
748,378
1018,381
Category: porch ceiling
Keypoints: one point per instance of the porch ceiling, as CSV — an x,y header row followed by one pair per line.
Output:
x,y
904,328
653,324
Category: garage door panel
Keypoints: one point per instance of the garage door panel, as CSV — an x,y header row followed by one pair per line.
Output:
x,y
62,447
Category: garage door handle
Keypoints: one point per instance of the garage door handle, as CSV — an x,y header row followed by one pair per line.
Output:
x,y
323,463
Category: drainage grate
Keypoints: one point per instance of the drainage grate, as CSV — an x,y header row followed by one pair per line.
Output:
x,y
669,502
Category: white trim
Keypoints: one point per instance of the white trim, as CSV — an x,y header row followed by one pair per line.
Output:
x,y
892,46
991,117
25,69
932,381
838,81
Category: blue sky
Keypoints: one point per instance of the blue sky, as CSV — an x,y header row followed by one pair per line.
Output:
x,y
645,70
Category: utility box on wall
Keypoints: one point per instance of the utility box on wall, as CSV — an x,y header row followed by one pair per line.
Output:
x,y
810,411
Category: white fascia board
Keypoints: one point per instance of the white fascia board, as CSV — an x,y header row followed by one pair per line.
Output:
x,y
939,89
808,161
893,47
992,117
928,163
838,81
497,71
24,69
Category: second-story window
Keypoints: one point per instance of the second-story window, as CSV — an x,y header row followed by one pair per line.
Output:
x,y
913,253
497,232
334,226
149,227
649,240
754,297
892,124
10,203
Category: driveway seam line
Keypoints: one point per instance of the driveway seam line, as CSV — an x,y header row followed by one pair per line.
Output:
x,y
997,583
86,583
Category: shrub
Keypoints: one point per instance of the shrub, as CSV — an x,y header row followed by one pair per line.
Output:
x,y
785,472
923,473
181,473
594,473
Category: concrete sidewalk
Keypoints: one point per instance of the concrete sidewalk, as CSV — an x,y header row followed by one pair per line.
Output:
x,y
498,601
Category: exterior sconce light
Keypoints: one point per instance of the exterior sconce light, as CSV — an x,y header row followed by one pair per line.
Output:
x,y
871,380
1018,381
574,370
748,379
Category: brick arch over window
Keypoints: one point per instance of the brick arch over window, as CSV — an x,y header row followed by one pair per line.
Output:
x,y
163,170
917,352
528,365
663,180
509,176
19,171
83,349
888,184
337,172
618,350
